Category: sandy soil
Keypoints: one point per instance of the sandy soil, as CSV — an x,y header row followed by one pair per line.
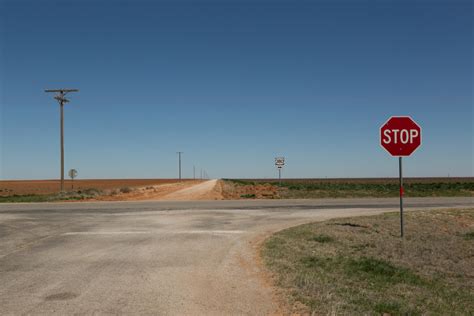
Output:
x,y
181,191
209,190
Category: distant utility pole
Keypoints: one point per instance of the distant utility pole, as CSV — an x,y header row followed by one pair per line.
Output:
x,y
201,173
179,163
194,172
61,98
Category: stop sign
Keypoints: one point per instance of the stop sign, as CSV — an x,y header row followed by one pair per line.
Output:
x,y
400,136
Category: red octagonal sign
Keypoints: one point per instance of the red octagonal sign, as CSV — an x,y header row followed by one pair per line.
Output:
x,y
400,136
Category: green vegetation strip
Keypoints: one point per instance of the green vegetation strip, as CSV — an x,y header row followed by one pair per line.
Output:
x,y
325,189
66,196
361,266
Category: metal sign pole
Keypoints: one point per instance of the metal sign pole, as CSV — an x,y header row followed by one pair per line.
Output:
x,y
401,195
279,175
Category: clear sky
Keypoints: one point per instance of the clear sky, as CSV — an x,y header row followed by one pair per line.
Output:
x,y
234,84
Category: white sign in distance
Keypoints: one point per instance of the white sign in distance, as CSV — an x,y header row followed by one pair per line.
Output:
x,y
279,162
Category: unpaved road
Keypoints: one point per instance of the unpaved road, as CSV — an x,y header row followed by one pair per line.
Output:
x,y
190,190
160,258
203,191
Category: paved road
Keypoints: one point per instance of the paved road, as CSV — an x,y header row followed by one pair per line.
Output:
x,y
163,258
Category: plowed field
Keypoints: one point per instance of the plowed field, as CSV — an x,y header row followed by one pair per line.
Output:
x,y
22,187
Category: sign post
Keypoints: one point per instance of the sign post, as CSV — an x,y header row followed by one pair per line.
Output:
x,y
400,136
279,163
401,194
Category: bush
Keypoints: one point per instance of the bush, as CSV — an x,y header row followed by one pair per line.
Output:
x,y
91,192
126,190
248,196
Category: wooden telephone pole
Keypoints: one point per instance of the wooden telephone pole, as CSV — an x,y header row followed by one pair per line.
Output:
x,y
179,163
61,98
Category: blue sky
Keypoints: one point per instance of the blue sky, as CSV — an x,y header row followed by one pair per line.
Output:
x,y
234,84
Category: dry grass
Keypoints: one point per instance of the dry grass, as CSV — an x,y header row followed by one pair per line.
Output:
x,y
365,180
361,266
234,190
351,188
40,187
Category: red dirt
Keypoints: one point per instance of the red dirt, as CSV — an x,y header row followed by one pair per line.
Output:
x,y
178,191
231,191
22,187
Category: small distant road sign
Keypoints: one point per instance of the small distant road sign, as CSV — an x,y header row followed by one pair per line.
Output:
x,y
400,136
279,162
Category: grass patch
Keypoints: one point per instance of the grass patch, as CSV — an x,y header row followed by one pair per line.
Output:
x,y
66,196
469,235
323,189
248,196
306,188
240,182
378,270
370,270
388,307
37,198
322,238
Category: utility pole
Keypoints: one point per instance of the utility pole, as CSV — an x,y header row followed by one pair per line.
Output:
x,y
201,173
61,98
179,163
194,172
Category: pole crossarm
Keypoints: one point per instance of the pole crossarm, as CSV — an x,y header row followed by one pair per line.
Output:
x,y
61,90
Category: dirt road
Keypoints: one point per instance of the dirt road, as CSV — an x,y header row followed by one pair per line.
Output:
x,y
180,191
208,190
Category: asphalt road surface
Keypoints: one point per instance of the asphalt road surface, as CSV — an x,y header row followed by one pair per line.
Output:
x,y
160,258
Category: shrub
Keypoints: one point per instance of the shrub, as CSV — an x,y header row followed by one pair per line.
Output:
x,y
248,196
126,190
